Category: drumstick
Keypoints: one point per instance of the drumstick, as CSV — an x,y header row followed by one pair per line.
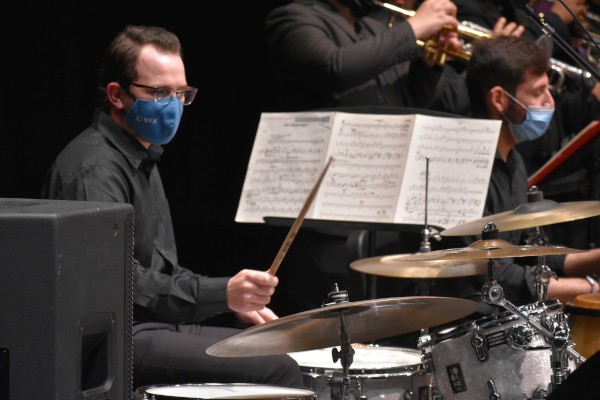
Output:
x,y
296,225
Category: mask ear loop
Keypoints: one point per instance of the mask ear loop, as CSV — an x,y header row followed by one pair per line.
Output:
x,y
513,98
516,101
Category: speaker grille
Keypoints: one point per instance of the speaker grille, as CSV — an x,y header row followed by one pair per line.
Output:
x,y
66,300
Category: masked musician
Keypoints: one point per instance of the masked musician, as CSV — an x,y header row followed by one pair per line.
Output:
x,y
576,102
507,80
144,93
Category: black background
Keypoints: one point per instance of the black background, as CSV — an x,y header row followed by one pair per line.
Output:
x,y
50,61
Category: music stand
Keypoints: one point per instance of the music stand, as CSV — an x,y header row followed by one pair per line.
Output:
x,y
363,236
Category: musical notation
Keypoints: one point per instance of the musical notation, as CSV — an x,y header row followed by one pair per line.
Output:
x,y
379,171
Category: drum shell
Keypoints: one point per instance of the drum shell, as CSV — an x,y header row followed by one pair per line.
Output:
x,y
517,372
222,391
584,321
381,372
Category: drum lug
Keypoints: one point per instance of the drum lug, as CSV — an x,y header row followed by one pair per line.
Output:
x,y
539,394
478,343
494,395
427,361
521,336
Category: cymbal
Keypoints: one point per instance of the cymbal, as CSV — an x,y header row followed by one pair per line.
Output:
x,y
529,215
395,266
364,321
494,248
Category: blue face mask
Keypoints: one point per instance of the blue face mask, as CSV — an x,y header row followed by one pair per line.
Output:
x,y
536,123
155,122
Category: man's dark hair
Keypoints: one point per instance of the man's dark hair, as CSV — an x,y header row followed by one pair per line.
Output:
x,y
120,59
502,61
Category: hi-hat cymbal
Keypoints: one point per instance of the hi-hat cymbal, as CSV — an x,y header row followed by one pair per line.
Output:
x,y
364,321
494,248
395,266
529,215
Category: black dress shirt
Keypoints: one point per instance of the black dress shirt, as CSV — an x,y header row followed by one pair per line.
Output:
x,y
105,163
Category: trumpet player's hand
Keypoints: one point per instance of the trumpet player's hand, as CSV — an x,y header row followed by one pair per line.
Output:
x,y
432,16
505,28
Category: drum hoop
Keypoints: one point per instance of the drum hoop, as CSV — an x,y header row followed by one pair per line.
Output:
x,y
144,391
489,322
364,372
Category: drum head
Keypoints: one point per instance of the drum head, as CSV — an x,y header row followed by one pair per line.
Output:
x,y
366,358
221,391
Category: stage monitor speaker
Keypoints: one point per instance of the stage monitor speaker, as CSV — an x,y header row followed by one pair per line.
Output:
x,y
66,300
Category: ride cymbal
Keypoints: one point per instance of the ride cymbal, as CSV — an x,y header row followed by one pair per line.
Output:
x,y
490,248
529,215
364,321
395,266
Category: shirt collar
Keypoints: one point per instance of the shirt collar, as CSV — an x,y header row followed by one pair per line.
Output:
x,y
124,142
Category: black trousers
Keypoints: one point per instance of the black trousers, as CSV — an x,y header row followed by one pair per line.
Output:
x,y
168,354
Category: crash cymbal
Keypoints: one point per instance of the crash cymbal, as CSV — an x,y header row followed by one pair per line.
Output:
x,y
494,248
395,266
364,321
529,215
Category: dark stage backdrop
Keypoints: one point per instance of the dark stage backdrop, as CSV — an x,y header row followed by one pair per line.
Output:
x,y
50,61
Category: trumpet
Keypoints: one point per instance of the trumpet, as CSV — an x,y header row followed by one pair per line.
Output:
x,y
558,70
432,48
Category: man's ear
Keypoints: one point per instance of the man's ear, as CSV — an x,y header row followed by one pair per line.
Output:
x,y
115,94
497,100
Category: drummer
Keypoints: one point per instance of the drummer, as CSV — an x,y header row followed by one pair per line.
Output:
x,y
507,80
116,159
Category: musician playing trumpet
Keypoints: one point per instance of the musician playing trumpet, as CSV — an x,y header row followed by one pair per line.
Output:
x,y
324,53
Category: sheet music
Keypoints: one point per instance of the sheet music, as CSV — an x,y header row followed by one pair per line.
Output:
x,y
288,154
461,154
378,172
364,180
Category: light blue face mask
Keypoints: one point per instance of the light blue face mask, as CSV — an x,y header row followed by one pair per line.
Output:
x,y
536,123
155,122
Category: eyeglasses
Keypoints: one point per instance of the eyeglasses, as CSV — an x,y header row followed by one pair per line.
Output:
x,y
162,95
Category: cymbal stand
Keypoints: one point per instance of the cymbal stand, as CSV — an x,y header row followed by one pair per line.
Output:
x,y
341,383
423,287
556,330
541,272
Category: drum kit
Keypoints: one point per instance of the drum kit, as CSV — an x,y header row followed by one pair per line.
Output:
x,y
523,352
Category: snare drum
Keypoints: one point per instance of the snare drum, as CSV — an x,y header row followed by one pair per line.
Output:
x,y
584,320
380,372
221,391
498,354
